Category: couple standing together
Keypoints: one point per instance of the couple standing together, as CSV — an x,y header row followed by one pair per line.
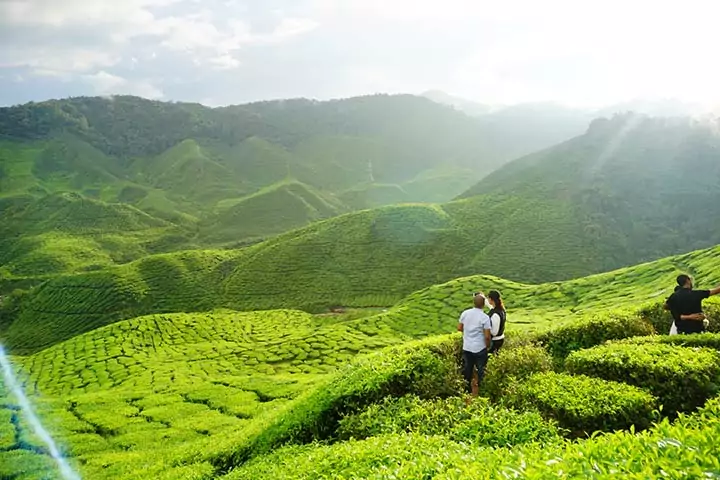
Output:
x,y
483,334
685,305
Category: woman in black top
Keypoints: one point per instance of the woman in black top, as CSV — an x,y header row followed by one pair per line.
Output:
x,y
497,321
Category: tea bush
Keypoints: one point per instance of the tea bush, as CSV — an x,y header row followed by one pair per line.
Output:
x,y
685,449
560,342
512,365
682,378
426,368
657,316
709,340
584,405
479,423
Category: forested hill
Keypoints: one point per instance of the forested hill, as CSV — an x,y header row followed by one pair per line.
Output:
x,y
187,162
640,187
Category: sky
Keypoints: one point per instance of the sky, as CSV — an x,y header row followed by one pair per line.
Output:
x,y
219,52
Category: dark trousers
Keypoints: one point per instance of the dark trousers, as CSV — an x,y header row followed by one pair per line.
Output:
x,y
470,362
496,345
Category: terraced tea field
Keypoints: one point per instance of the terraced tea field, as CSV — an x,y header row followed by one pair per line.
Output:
x,y
137,393
196,281
194,395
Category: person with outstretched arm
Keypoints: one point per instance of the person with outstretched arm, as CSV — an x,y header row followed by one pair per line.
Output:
x,y
686,306
475,326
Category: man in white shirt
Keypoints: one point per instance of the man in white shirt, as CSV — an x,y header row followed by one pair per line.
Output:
x,y
475,325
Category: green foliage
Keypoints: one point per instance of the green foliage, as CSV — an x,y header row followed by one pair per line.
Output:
x,y
682,378
245,280
560,342
511,366
687,448
636,202
524,222
584,405
269,212
701,340
479,423
425,368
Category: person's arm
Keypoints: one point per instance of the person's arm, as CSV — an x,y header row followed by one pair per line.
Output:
x,y
460,327
495,324
461,323
488,337
715,291
694,316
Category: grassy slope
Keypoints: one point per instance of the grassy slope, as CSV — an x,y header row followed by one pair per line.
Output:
x,y
271,211
558,214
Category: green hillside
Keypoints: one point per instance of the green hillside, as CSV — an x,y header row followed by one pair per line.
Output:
x,y
184,163
193,281
559,214
65,232
216,394
638,185
238,149
269,212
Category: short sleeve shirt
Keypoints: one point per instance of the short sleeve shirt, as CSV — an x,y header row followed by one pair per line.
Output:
x,y
474,321
687,302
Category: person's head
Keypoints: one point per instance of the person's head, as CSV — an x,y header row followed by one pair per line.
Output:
x,y
479,300
495,300
685,281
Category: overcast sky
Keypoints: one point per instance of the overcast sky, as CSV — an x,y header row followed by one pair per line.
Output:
x,y
231,51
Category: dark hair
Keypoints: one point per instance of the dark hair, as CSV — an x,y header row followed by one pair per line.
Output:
x,y
682,279
495,297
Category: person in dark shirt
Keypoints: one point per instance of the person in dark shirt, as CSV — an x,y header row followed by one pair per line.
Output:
x,y
686,305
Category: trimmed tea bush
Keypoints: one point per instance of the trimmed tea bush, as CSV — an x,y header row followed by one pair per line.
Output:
x,y
587,333
511,366
682,378
708,340
426,368
479,423
584,405
685,449
657,316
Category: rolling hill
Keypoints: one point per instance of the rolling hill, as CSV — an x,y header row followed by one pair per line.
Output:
x,y
65,232
184,163
198,281
210,395
233,151
273,210
562,213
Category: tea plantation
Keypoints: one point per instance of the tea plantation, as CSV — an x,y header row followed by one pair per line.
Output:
x,y
193,281
369,393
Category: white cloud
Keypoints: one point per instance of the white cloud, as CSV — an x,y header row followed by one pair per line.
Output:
x,y
575,51
291,27
108,28
224,62
104,83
